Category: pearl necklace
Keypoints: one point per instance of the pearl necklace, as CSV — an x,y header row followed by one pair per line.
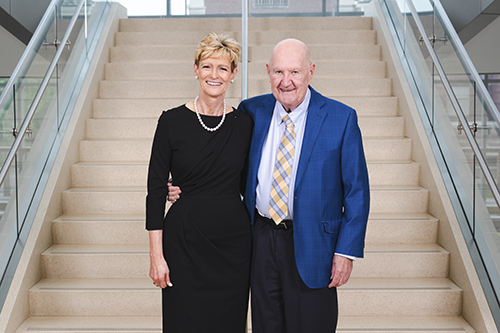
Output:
x,y
213,129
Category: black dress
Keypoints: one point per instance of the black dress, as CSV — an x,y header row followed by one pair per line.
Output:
x,y
207,232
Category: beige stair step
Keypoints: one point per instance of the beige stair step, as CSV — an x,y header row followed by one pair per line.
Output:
x,y
401,229
185,53
95,297
162,70
181,88
402,260
123,200
337,87
148,108
143,128
394,173
399,297
376,149
398,199
185,88
371,106
254,24
126,128
111,261
138,297
108,174
152,324
398,173
152,108
387,149
92,324
338,52
254,37
130,229
100,229
382,126
403,324
115,150
98,261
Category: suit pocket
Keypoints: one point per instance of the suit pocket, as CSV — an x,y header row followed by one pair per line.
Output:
x,y
332,226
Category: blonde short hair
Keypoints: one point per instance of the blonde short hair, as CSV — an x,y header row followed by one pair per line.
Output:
x,y
215,46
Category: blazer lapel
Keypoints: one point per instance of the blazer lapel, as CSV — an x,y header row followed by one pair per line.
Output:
x,y
314,121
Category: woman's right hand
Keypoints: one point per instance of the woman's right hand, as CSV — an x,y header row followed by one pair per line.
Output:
x,y
160,273
158,270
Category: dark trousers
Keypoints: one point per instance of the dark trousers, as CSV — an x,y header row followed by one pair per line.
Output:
x,y
281,302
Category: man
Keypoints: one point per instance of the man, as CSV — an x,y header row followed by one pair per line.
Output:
x,y
308,196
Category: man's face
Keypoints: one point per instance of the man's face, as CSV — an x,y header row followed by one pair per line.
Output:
x,y
290,73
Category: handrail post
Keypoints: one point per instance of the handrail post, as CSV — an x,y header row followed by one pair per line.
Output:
x,y
244,51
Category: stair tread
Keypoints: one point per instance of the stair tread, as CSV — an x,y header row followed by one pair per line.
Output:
x,y
403,323
100,217
396,283
92,324
68,249
141,217
143,188
153,323
129,163
94,284
354,283
106,189
404,248
254,24
401,216
397,188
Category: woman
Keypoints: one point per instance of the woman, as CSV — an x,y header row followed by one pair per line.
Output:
x,y
200,252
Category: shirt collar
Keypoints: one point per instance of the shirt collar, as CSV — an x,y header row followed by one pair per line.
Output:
x,y
297,114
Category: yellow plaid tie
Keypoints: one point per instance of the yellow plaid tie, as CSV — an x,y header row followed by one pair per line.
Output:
x,y
281,178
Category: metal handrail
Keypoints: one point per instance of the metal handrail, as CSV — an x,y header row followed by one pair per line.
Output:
x,y
454,101
34,43
22,131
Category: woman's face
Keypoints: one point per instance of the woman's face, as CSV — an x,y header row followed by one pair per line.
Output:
x,y
214,75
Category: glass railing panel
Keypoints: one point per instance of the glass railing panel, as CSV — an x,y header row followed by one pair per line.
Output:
x,y
486,240
9,225
7,119
23,187
459,160
480,116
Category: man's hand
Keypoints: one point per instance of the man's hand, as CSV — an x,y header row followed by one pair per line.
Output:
x,y
174,193
341,271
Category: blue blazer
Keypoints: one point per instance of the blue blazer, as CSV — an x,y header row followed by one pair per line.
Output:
x,y
332,197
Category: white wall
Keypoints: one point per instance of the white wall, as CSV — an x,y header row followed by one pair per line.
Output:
x,y
10,52
484,49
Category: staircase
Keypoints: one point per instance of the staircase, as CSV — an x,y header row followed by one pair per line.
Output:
x,y
96,272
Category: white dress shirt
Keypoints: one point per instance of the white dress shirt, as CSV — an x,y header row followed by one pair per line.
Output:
x,y
270,152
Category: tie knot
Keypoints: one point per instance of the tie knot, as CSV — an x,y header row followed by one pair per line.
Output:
x,y
287,120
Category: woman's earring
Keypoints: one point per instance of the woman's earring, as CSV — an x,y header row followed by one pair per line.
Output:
x,y
196,77
232,80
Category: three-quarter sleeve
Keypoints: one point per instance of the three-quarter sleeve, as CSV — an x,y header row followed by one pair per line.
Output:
x,y
158,175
